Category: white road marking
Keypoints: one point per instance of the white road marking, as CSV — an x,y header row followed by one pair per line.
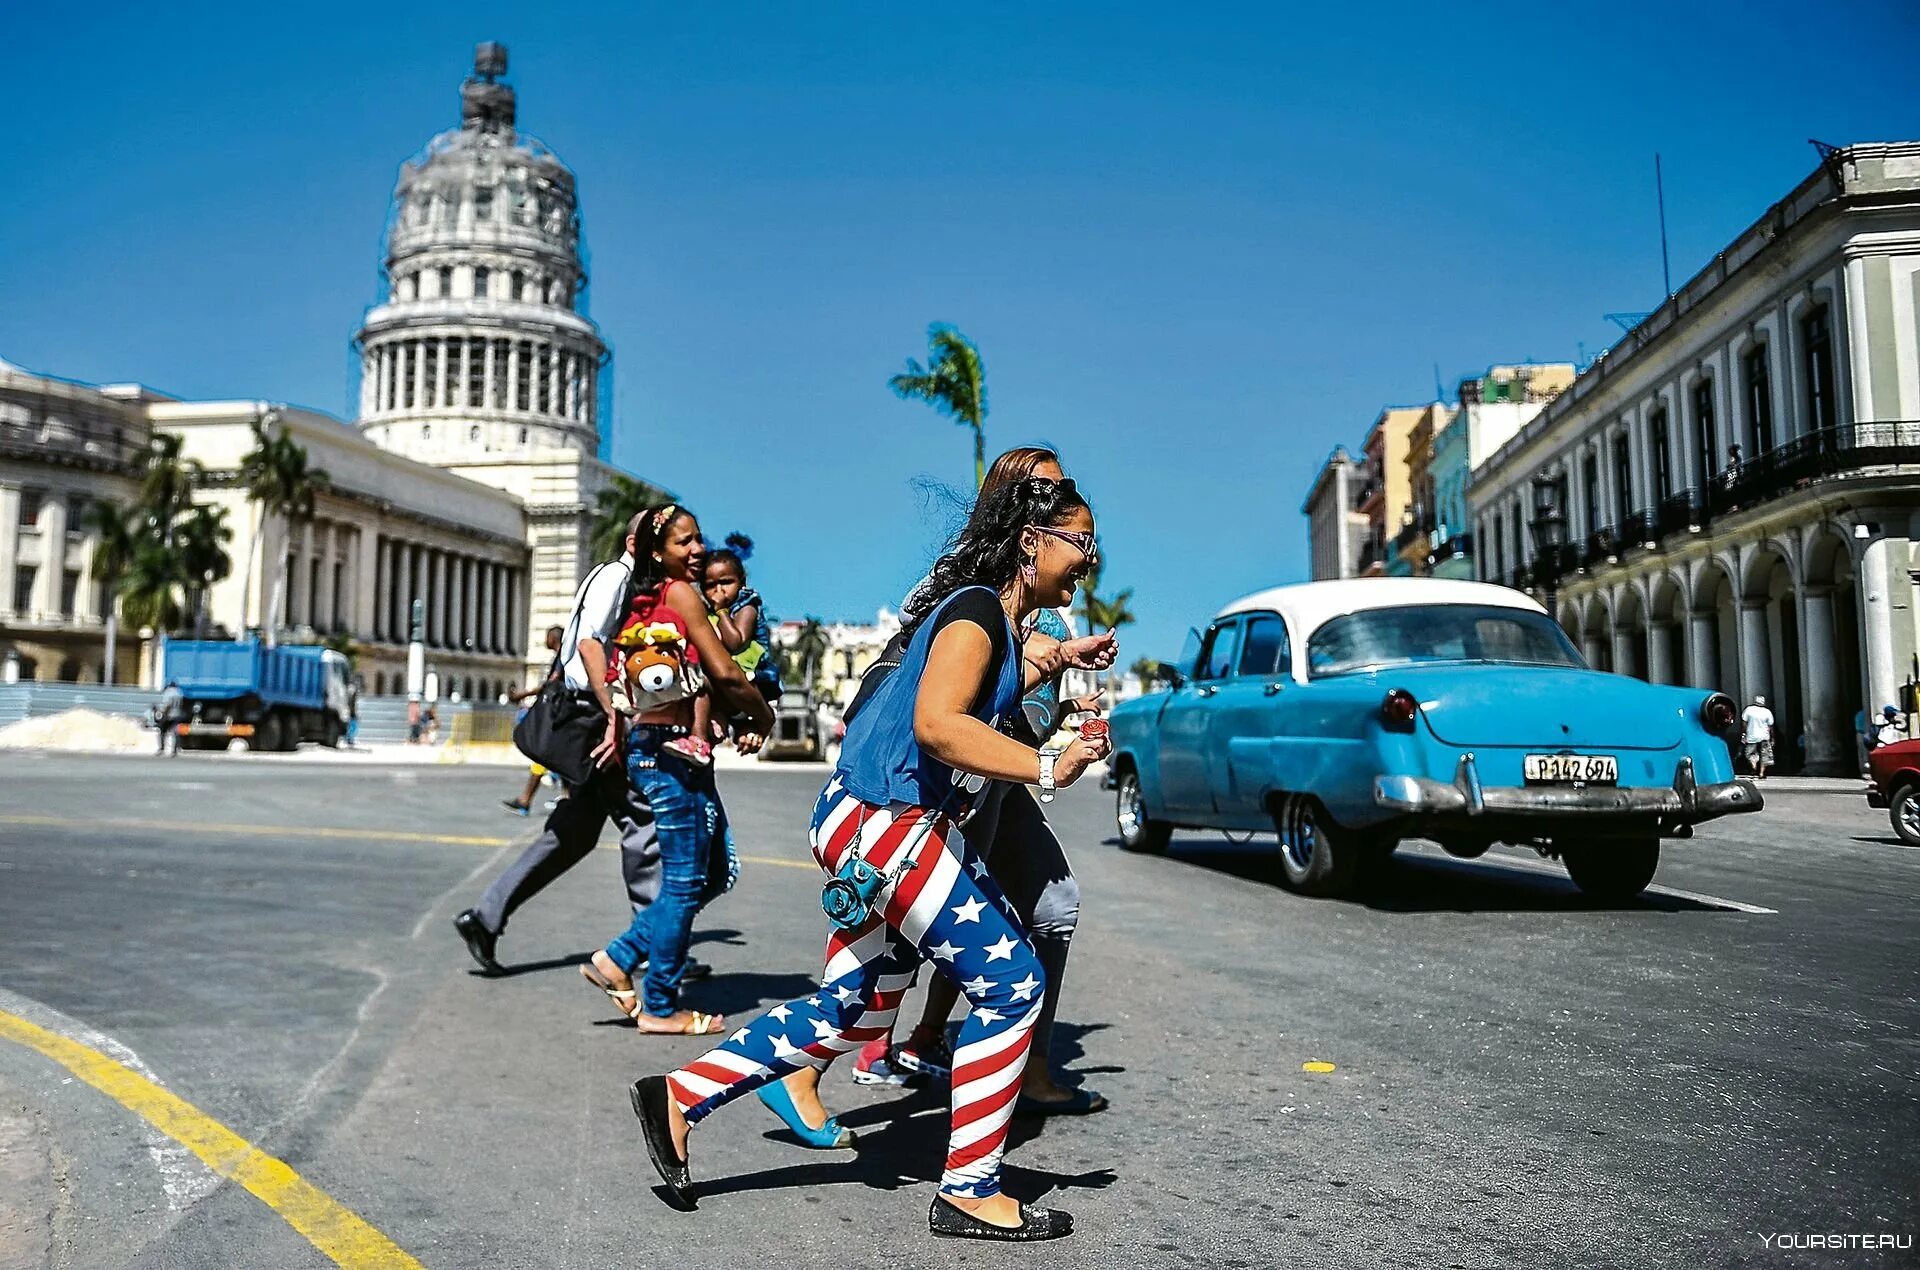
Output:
x,y
1717,901
184,1178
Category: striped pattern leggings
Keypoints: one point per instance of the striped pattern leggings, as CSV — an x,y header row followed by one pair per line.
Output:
x,y
945,909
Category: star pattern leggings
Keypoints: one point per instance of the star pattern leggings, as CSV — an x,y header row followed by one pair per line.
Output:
x,y
946,909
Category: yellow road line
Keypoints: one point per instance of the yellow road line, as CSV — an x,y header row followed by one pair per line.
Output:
x,y
316,831
326,1223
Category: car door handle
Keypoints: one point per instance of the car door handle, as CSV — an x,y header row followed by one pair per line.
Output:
x,y
1273,690
1204,691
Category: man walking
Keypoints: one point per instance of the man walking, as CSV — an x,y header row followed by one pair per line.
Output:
x,y
166,715
573,828
1757,737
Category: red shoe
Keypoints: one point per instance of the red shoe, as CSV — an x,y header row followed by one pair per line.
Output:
x,y
873,1067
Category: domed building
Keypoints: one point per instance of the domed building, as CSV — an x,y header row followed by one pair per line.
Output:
x,y
480,357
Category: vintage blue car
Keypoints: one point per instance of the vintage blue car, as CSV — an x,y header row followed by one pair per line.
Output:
x,y
1348,716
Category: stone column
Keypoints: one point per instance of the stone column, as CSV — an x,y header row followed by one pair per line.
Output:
x,y
1883,588
499,606
1660,640
1703,652
445,355
86,599
1624,661
323,589
513,610
366,582
9,543
366,385
1829,743
437,599
466,374
1756,665
487,363
53,554
554,356
513,377
483,606
413,571
296,610
470,603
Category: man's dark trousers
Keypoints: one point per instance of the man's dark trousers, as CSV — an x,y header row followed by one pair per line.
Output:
x,y
571,833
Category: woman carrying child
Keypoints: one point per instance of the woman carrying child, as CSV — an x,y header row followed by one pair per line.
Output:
x,y
740,617
667,628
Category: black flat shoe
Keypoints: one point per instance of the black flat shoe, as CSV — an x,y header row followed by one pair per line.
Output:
x,y
479,941
649,1096
948,1222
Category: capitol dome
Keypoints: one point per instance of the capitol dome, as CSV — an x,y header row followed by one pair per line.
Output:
x,y
480,350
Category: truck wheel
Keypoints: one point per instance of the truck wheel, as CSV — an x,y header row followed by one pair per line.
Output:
x,y
1137,832
1903,811
330,736
1317,856
1613,871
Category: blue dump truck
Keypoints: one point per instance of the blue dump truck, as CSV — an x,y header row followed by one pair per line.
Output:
x,y
258,697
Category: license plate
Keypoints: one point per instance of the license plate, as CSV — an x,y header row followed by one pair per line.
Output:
x,y
1572,769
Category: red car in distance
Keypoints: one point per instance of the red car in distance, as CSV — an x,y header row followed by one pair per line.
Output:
x,y
1895,774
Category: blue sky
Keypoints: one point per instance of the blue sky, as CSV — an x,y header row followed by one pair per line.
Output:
x,y
1198,244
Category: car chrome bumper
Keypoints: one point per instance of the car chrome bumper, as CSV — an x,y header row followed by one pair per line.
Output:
x,y
1683,801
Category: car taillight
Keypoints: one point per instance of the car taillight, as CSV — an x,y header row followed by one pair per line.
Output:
x,y
1717,712
1399,708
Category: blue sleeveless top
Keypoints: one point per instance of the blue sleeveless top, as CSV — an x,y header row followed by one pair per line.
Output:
x,y
881,763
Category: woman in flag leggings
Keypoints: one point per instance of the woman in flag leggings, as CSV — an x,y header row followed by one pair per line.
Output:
x,y
912,763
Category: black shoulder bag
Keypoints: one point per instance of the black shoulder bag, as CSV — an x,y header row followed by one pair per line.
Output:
x,y
563,725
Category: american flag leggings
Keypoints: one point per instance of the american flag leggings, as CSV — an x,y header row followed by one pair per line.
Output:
x,y
945,909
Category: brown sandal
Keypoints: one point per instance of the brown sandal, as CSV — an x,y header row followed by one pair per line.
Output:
x,y
623,1000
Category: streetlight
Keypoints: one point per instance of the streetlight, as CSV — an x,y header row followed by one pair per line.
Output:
x,y
1549,528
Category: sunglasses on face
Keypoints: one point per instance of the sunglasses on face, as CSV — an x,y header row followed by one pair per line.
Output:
x,y
1088,547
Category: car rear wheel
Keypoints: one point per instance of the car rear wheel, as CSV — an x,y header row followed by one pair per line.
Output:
x,y
1317,856
1613,871
1903,811
1137,831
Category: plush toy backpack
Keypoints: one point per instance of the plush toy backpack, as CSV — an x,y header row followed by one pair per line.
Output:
x,y
657,669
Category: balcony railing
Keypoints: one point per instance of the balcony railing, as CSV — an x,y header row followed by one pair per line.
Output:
x,y
1601,546
1679,513
1637,530
1825,452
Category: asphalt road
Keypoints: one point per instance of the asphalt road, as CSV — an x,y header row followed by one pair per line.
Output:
x,y
1519,1078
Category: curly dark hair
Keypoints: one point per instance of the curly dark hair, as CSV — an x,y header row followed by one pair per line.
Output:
x,y
649,530
987,550
728,556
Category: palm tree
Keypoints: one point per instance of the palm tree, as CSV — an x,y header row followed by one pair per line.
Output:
x,y
954,382
614,508
810,648
113,532
1147,671
152,585
277,477
1111,613
200,540
166,484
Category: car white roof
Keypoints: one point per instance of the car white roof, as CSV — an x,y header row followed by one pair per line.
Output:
x,y
1308,604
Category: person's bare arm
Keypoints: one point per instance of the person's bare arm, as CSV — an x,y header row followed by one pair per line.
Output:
x,y
736,629
957,668
593,656
729,683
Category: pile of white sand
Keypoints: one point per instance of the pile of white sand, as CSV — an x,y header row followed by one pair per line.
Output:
x,y
77,730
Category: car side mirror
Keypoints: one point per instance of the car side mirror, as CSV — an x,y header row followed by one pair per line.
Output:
x,y
1169,675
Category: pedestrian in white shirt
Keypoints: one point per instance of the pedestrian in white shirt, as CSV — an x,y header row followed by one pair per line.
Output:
x,y
1757,737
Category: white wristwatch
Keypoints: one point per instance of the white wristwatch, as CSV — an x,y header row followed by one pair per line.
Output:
x,y
1046,775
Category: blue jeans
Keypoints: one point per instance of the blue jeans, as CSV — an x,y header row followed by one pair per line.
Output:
x,y
695,863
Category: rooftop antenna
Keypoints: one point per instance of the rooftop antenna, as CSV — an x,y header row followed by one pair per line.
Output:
x,y
1660,194
1626,321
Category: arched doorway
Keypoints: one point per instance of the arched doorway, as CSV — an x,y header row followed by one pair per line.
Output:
x,y
1666,662
1770,650
1836,691
1712,658
1629,634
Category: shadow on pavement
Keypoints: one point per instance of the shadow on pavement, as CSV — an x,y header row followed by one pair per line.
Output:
x,y
1407,883
509,971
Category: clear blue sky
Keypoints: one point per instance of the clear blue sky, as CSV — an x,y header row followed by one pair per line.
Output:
x,y
1198,245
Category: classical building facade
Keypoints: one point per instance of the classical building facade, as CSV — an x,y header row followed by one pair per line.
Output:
x,y
1410,551
387,530
1493,407
1730,497
480,357
63,448
1336,524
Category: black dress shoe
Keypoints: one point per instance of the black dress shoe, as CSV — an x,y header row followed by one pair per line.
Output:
x,y
649,1097
479,941
948,1222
